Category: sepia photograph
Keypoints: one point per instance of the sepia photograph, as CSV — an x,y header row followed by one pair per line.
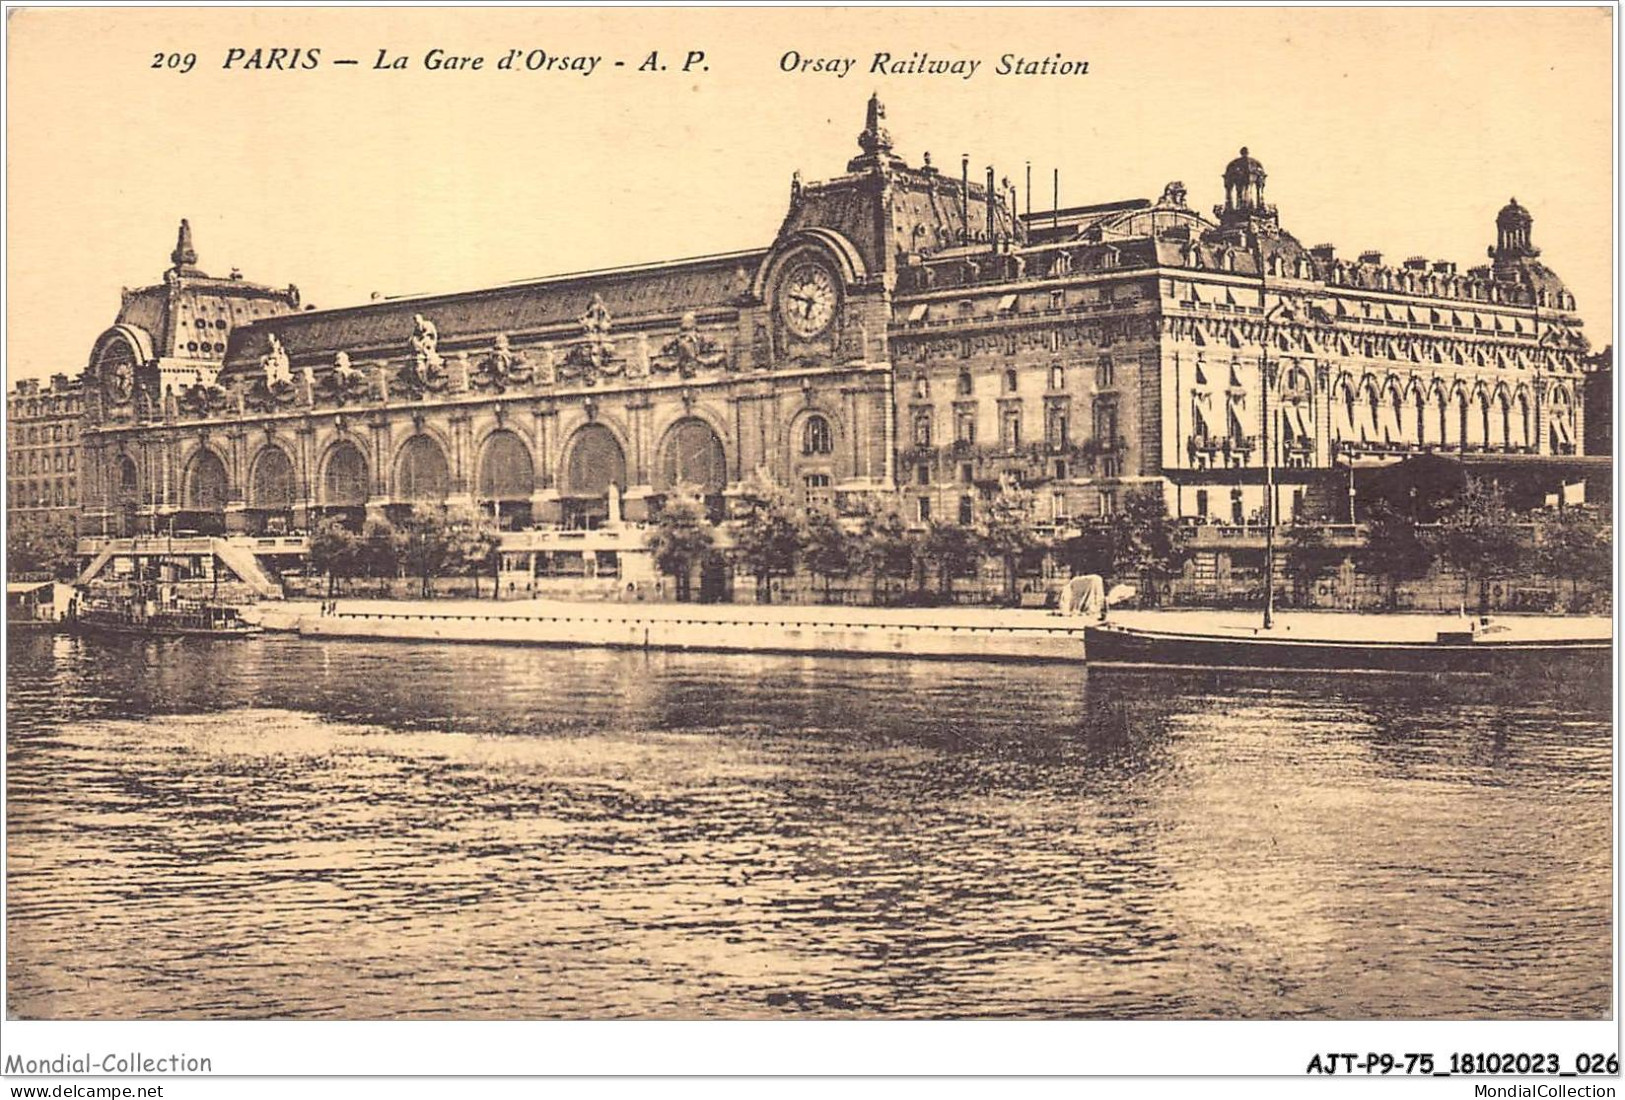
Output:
x,y
1095,515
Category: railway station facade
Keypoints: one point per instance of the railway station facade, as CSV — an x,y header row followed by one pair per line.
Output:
x,y
909,339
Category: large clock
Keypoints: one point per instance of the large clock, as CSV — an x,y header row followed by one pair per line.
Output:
x,y
118,372
808,298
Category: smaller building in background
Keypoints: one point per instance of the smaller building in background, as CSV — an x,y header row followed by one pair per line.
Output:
x,y
43,455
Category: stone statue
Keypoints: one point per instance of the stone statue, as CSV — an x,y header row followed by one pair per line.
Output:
x,y
425,342
595,353
426,371
275,364
1173,195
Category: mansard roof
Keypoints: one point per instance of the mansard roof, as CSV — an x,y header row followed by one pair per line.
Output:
x,y
533,307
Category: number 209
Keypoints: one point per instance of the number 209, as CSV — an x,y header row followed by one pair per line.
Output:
x,y
180,62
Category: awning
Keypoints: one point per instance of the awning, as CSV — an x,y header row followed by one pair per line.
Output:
x,y
19,587
1388,421
1237,406
1202,407
1365,425
1560,426
918,312
1297,421
1342,426
1008,303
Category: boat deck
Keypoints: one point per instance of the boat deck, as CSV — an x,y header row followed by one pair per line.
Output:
x,y
1331,626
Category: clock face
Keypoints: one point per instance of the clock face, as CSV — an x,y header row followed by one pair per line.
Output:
x,y
118,371
807,299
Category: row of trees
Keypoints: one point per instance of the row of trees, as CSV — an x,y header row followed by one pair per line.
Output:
x,y
773,536
1484,540
1476,536
428,543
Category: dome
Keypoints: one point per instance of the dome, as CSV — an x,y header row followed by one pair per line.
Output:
x,y
1244,169
1513,214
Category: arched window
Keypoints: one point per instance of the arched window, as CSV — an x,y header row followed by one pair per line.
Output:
x,y
506,472
206,483
126,476
816,437
274,486
693,455
344,482
421,472
596,461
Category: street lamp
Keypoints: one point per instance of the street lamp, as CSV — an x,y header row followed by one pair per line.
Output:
x,y
1266,379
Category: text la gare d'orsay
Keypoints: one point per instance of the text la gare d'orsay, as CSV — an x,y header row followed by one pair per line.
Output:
x,y
438,59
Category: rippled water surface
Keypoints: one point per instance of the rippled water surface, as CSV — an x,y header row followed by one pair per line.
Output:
x,y
286,828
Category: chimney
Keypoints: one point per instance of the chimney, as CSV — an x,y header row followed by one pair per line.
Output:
x,y
1371,258
1443,267
1325,253
1416,263
992,224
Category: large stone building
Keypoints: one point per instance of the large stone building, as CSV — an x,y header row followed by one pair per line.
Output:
x,y
43,455
907,336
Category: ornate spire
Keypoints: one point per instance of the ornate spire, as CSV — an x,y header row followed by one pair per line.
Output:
x,y
874,138
185,256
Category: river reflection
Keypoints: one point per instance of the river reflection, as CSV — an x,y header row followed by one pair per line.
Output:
x,y
286,828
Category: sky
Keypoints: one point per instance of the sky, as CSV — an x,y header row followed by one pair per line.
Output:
x,y
1400,130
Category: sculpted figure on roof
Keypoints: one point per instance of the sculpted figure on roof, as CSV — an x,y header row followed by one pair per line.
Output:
x,y
689,351
275,364
427,369
595,353
503,367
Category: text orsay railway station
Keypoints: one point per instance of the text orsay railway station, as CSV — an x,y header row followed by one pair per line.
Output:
x,y
907,335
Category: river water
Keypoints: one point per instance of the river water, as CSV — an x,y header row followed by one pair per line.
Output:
x,y
276,827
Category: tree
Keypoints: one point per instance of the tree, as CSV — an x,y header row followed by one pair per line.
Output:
x,y
46,548
1310,555
828,550
1480,536
952,550
681,539
884,548
1394,549
1576,543
1005,530
335,551
472,545
381,549
428,545
1147,542
768,536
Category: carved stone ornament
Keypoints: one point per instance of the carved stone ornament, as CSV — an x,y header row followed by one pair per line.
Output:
x,y
689,351
263,396
344,384
204,399
502,367
594,354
